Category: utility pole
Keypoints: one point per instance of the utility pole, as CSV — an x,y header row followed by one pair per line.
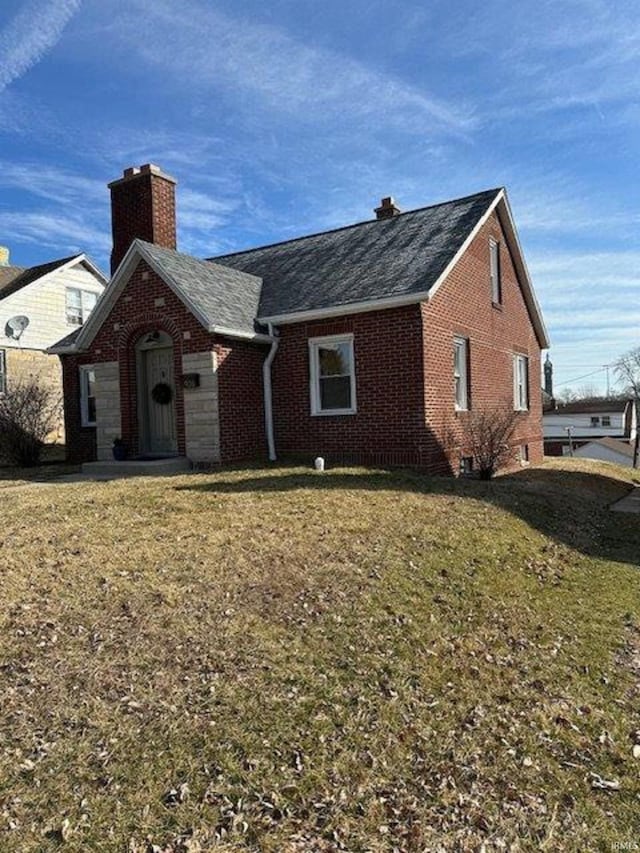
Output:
x,y
606,367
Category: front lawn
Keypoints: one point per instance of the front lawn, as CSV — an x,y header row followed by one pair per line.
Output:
x,y
279,660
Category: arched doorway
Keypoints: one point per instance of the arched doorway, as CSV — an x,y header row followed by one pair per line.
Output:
x,y
156,395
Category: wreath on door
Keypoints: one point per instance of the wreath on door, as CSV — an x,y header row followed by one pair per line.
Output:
x,y
162,394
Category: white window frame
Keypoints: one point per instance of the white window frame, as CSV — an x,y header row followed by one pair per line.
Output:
x,y
3,371
606,418
85,369
314,364
460,343
494,271
84,309
520,383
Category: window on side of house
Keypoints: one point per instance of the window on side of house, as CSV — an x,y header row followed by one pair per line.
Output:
x,y
3,371
88,395
520,383
606,420
461,373
333,375
79,304
595,421
494,266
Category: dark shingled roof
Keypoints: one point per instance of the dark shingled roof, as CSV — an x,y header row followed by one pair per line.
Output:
x,y
19,277
400,256
592,407
67,341
224,296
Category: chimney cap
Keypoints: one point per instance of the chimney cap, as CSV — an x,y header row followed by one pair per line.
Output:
x,y
133,172
387,209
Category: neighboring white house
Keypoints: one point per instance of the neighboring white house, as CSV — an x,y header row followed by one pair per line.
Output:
x,y
607,450
38,306
584,421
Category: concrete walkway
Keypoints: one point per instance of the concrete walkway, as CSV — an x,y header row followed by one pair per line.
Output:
x,y
629,503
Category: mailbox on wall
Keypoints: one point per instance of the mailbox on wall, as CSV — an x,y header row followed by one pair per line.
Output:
x,y
191,380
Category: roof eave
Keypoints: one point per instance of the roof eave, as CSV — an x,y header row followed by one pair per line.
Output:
x,y
348,308
240,334
523,273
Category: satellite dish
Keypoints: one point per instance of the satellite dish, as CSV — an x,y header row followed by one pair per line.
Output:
x,y
16,326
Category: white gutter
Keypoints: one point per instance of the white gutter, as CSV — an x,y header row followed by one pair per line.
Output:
x,y
266,382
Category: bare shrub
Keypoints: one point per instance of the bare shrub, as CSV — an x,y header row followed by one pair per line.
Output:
x,y
487,434
29,412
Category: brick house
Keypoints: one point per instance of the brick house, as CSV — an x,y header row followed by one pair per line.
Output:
x,y
368,343
37,306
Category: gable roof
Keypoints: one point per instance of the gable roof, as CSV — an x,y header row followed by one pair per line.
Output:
x,y
399,256
7,275
592,407
223,300
368,266
13,279
377,263
614,444
223,296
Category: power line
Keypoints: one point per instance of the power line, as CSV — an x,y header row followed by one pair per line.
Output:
x,y
579,378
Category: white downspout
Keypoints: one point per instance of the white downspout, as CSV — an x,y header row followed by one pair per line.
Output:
x,y
266,382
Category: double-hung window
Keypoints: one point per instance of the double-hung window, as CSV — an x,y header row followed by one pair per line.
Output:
x,y
520,383
461,373
595,421
88,395
494,266
3,371
333,376
79,304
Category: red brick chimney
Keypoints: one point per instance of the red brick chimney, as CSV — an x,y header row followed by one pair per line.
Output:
x,y
387,208
143,205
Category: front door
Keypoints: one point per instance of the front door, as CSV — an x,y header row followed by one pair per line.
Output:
x,y
157,399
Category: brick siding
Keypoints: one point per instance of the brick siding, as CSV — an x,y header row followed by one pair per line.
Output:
x,y
146,304
404,372
463,307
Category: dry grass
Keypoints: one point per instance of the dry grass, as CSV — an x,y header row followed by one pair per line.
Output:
x,y
284,661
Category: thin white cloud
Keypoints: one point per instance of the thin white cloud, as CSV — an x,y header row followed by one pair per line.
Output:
x,y
31,34
207,49
57,231
51,182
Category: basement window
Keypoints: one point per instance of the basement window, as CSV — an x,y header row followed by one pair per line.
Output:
x,y
88,395
466,465
333,377
3,371
79,304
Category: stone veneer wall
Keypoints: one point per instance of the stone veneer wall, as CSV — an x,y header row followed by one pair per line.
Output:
x,y
25,364
107,407
201,415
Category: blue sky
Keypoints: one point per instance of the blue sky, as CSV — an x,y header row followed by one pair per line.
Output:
x,y
294,116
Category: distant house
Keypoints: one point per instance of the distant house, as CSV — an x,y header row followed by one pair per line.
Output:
x,y
369,343
38,305
581,422
607,450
